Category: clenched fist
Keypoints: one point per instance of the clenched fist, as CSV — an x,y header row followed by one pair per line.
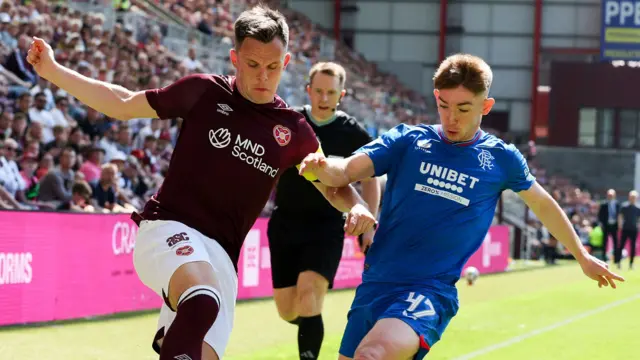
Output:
x,y
40,56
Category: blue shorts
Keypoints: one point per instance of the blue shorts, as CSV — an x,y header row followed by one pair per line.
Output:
x,y
426,310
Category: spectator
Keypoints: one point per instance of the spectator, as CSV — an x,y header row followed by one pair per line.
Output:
x,y
77,140
58,143
6,104
93,124
133,184
17,64
46,165
29,164
55,187
23,103
628,223
153,129
35,133
608,217
80,198
6,119
39,113
190,62
124,139
105,192
91,168
61,114
19,127
12,181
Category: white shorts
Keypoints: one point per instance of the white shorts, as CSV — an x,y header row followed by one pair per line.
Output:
x,y
162,247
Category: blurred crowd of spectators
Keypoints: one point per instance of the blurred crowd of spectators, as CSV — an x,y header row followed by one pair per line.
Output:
x,y
368,87
57,154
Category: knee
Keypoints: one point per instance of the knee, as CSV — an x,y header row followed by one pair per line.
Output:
x,y
309,301
370,352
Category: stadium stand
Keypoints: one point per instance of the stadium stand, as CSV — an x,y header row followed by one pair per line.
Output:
x,y
138,47
116,166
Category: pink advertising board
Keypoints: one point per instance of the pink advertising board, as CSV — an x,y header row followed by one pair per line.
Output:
x,y
56,266
254,265
493,254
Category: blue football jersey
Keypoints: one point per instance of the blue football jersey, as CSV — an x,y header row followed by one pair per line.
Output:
x,y
439,201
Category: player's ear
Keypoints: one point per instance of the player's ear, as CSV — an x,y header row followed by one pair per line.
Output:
x,y
436,93
309,89
233,55
487,105
287,58
342,94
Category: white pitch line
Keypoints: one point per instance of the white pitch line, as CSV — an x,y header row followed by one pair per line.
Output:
x,y
543,330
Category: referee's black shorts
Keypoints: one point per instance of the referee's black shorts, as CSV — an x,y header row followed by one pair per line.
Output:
x,y
300,244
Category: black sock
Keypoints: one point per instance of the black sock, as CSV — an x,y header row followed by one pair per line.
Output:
x,y
194,318
295,321
310,335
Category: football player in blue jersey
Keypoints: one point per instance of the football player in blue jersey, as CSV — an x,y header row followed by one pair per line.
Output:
x,y
444,182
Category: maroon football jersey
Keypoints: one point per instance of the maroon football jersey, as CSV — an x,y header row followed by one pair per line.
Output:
x,y
228,157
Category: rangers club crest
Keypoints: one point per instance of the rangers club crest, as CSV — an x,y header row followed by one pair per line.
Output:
x,y
282,135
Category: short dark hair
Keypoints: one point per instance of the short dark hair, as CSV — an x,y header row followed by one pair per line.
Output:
x,y
82,188
328,68
263,24
468,71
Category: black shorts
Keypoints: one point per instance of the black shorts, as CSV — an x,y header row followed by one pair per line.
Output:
x,y
299,245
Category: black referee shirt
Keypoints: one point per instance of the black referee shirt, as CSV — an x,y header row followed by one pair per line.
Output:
x,y
339,138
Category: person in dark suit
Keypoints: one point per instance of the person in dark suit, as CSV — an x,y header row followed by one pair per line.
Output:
x,y
628,220
608,217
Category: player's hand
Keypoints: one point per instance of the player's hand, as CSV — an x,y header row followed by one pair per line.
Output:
x,y
359,220
367,240
40,56
312,162
599,271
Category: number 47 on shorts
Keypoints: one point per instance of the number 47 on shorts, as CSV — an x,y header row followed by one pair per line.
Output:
x,y
416,300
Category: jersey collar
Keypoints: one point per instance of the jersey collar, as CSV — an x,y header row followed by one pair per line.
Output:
x,y
470,142
307,108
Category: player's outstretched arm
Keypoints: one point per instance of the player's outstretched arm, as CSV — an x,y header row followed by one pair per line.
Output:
x,y
554,219
109,99
337,172
346,199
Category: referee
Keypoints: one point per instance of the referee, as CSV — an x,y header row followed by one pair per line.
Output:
x,y
305,232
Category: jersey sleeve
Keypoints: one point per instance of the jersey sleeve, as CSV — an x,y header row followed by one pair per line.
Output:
x,y
177,99
519,177
386,149
309,144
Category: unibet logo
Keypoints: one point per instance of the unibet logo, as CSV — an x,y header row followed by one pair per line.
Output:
x,y
452,178
220,138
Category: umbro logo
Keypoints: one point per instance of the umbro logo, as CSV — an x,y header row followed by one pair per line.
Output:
x,y
182,357
224,109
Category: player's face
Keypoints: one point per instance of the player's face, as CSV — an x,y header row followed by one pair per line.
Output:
x,y
259,67
461,112
324,92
